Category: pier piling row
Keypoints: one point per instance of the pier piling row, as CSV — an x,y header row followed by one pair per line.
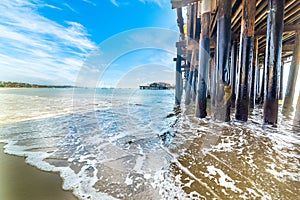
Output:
x,y
233,54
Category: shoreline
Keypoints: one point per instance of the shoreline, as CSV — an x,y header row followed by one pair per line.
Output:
x,y
20,181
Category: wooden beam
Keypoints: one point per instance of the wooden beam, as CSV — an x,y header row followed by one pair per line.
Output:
x,y
285,48
287,28
213,23
236,15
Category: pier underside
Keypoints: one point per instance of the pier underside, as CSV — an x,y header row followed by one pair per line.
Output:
x,y
233,52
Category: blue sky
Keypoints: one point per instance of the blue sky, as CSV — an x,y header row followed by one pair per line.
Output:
x,y
48,41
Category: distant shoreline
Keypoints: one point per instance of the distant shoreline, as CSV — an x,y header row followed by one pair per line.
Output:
x,y
38,87
10,84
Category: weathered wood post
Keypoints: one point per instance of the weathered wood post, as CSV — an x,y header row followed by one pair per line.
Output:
x,y
195,77
180,23
178,84
197,30
291,84
297,114
233,72
263,88
204,54
258,81
186,71
188,94
254,74
273,59
190,52
258,84
281,81
212,80
223,90
245,61
190,22
178,75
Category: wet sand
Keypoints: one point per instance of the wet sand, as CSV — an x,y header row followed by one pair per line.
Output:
x,y
20,181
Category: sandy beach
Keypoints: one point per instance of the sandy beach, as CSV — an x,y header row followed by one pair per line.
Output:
x,y
19,181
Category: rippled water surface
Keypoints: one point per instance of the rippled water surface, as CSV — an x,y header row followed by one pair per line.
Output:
x,y
133,144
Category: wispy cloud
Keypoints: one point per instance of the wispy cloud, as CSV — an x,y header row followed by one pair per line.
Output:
x,y
70,8
35,47
114,2
160,3
89,2
51,6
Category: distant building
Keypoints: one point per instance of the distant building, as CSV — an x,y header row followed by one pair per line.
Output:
x,y
156,86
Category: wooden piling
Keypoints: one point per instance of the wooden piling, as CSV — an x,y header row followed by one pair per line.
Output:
x,y
178,75
291,84
211,73
188,94
186,71
192,16
187,52
263,85
180,23
233,71
258,82
194,83
178,85
297,114
204,54
281,81
245,62
223,90
254,74
197,30
212,79
273,59
190,22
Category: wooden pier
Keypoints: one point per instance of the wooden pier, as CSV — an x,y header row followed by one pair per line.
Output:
x,y
233,51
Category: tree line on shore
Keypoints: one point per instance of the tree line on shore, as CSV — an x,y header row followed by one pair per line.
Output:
x,y
9,84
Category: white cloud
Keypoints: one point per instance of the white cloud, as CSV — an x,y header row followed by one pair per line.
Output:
x,y
51,6
160,3
89,2
70,8
35,46
114,2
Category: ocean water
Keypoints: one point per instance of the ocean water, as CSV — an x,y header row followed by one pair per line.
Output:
x,y
134,144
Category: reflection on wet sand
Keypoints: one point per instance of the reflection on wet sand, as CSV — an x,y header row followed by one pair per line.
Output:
x,y
19,181
236,160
